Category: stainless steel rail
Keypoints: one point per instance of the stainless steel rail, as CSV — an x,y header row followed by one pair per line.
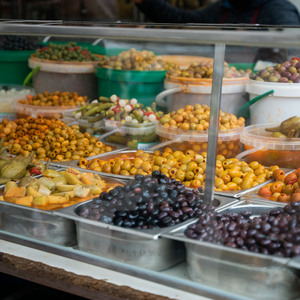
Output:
x,y
187,34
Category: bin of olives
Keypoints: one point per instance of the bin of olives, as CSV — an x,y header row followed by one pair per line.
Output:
x,y
189,168
49,105
124,224
186,129
242,247
268,147
50,139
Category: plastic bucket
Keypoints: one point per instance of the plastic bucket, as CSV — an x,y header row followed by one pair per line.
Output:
x,y
14,66
64,76
182,91
282,104
142,85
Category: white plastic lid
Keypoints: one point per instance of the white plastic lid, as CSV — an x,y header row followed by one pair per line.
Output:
x,y
193,135
280,89
257,137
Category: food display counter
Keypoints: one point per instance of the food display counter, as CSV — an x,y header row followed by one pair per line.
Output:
x,y
183,217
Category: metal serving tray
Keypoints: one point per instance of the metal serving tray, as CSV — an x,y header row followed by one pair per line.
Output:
x,y
143,248
74,163
234,194
246,273
40,224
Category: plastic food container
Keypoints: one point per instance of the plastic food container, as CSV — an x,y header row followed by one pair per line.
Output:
x,y
181,91
64,76
9,97
135,136
267,150
142,85
229,143
281,105
48,112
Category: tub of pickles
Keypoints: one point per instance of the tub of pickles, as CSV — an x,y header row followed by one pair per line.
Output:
x,y
125,223
27,206
247,249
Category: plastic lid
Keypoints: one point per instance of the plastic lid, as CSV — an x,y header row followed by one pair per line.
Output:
x,y
62,66
206,81
280,89
192,135
256,136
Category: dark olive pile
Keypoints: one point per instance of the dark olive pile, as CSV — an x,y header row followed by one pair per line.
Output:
x,y
65,52
17,43
147,202
287,72
276,232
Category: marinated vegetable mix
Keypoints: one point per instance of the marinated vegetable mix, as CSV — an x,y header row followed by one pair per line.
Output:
x,y
289,128
49,139
276,232
65,52
188,167
147,202
54,189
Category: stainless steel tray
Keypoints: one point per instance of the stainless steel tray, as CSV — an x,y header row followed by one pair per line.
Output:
x,y
246,273
143,248
74,163
40,224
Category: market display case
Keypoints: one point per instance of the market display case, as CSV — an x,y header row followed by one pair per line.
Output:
x,y
163,230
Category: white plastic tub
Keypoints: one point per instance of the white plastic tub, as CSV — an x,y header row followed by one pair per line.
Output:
x,y
282,104
182,91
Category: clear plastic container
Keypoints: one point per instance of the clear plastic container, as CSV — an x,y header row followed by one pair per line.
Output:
x,y
8,98
48,112
261,146
229,143
130,134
